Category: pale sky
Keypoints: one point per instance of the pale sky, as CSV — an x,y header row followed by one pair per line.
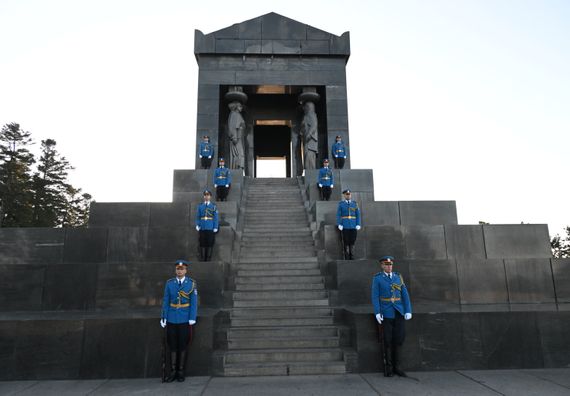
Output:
x,y
465,100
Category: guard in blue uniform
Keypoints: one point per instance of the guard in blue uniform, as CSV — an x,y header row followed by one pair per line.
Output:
x,y
207,225
325,180
348,222
179,311
222,180
338,151
392,307
206,152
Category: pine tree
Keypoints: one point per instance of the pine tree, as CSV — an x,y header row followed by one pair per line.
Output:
x,y
50,187
15,176
78,205
561,246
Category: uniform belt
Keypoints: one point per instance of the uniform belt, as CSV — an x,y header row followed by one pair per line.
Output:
x,y
221,177
390,299
326,178
348,217
206,218
180,305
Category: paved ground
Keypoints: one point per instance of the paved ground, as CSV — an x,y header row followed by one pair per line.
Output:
x,y
477,383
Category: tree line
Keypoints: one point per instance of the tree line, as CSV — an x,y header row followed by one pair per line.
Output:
x,y
561,245
36,192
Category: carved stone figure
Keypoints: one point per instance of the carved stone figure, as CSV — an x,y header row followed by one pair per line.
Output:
x,y
236,128
310,133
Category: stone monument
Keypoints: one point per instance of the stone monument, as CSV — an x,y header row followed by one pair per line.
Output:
x,y
85,302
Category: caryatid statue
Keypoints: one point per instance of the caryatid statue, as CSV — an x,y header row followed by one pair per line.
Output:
x,y
310,128
236,127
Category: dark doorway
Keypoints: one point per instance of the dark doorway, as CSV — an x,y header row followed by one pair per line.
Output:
x,y
272,141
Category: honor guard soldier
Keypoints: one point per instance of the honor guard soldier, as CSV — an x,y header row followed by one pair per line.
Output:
x,y
179,310
222,180
325,180
206,152
206,225
348,222
339,153
392,307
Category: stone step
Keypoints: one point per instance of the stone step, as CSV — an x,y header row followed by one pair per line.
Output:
x,y
273,243
277,272
275,212
283,332
273,220
277,266
271,280
280,302
281,260
276,226
260,214
284,368
274,231
280,286
269,254
281,195
283,342
285,312
285,197
283,295
288,238
269,206
284,355
282,321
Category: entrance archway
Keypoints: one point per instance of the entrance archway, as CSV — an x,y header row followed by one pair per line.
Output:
x,y
271,141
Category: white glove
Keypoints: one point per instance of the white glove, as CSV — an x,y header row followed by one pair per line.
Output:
x,y
197,228
340,227
227,186
200,156
215,185
320,185
408,316
163,323
332,185
357,228
215,230
379,318
209,157
191,322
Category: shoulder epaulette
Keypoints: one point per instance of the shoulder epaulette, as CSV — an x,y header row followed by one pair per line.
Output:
x,y
378,273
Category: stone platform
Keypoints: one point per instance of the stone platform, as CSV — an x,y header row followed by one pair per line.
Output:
x,y
442,383
84,303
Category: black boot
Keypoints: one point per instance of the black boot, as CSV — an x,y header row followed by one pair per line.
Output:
x,y
172,376
396,361
350,250
209,253
202,253
180,372
346,253
388,372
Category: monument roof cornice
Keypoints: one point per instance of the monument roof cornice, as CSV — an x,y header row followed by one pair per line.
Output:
x,y
271,34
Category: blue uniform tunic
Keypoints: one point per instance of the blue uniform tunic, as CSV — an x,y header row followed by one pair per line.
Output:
x,y
207,216
390,295
348,214
206,149
222,177
325,177
180,302
338,150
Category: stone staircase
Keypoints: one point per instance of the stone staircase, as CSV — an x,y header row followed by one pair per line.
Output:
x,y
281,323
